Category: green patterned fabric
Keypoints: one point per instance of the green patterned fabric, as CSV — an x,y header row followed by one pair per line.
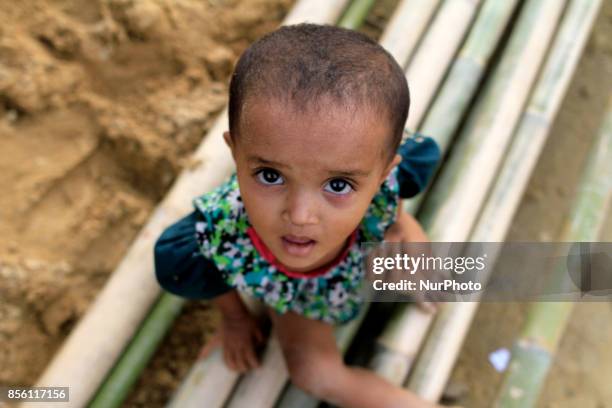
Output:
x,y
333,296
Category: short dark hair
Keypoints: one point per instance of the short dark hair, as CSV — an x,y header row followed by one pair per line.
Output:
x,y
301,63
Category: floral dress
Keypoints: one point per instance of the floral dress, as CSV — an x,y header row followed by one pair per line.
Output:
x,y
227,252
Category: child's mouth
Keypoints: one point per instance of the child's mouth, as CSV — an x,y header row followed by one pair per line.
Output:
x,y
298,246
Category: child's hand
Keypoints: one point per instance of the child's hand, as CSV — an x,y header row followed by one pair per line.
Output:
x,y
240,334
240,337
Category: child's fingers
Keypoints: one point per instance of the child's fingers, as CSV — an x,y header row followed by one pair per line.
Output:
x,y
210,345
228,357
251,358
238,361
259,337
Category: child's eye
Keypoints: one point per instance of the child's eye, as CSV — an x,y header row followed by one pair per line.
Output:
x,y
338,186
269,177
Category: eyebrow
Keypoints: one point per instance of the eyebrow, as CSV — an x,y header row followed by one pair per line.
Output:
x,y
261,160
344,173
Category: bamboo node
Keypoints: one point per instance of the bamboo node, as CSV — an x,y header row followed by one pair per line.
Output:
x,y
516,392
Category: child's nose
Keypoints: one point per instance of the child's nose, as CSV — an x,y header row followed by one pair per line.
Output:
x,y
301,209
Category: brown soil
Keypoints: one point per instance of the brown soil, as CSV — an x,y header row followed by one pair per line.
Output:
x,y
101,104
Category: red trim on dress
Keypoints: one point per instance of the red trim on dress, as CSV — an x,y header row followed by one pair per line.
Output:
x,y
269,256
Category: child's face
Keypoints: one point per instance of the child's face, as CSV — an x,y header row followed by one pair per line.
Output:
x,y
307,178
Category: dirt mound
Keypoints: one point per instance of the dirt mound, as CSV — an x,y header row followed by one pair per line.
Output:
x,y
101,103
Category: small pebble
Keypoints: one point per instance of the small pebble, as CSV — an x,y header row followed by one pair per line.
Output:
x,y
33,264
499,359
12,247
12,116
516,392
63,267
454,391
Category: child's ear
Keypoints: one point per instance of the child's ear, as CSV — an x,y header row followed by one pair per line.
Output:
x,y
229,142
397,159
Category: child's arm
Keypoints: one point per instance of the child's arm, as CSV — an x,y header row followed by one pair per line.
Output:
x,y
230,305
405,229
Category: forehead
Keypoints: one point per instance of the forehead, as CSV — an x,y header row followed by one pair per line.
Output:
x,y
327,136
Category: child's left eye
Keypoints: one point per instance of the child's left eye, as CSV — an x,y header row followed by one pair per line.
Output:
x,y
338,186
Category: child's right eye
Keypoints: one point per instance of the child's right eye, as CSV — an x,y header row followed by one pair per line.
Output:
x,y
269,177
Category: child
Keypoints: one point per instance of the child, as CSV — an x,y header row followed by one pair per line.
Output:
x,y
316,116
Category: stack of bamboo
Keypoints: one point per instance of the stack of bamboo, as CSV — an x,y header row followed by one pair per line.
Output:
x,y
494,127
534,351
446,52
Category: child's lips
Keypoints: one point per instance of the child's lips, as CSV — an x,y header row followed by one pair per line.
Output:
x,y
298,246
297,239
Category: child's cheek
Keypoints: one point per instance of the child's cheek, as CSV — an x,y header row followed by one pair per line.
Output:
x,y
340,201
267,200
345,210
351,205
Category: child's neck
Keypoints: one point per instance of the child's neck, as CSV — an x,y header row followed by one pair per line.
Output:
x,y
316,269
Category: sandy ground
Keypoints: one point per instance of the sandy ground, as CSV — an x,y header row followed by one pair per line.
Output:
x,y
101,103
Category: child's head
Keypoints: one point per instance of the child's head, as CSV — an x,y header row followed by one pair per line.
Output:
x,y
304,65
316,116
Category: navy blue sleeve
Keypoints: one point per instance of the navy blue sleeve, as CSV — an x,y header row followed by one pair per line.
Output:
x,y
180,267
420,157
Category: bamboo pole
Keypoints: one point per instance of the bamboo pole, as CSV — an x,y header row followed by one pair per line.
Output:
x,y
316,11
394,356
467,176
355,14
533,352
393,359
142,347
439,353
406,27
196,392
440,45
87,355
453,99
537,119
